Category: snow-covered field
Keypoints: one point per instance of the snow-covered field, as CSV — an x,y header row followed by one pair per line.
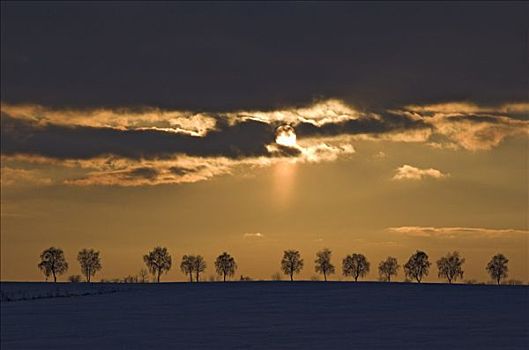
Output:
x,y
264,315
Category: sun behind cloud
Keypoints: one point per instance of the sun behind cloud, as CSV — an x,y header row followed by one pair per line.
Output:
x,y
286,136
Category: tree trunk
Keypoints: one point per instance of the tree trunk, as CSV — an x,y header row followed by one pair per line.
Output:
x,y
224,277
498,281
324,276
54,277
291,277
158,277
356,278
389,278
190,277
198,275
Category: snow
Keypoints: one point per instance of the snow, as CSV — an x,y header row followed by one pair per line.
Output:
x,y
263,315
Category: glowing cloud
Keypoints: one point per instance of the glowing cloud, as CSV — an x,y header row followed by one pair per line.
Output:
x,y
150,146
455,232
408,172
253,235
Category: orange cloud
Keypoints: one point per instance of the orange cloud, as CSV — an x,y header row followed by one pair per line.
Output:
x,y
455,232
16,176
408,172
212,145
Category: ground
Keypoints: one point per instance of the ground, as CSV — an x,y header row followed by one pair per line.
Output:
x,y
263,315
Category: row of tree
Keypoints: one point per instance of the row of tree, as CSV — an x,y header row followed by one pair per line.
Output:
x,y
159,261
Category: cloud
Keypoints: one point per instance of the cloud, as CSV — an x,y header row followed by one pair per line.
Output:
x,y
369,124
380,155
470,108
245,139
331,111
408,172
455,232
156,133
120,171
150,146
186,122
16,176
469,126
153,133
253,235
126,172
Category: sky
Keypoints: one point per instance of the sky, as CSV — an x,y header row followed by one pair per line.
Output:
x,y
252,128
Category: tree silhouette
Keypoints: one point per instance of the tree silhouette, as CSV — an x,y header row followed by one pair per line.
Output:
x,y
388,268
497,267
90,262
199,265
450,266
158,261
417,266
74,278
225,265
142,275
52,262
323,263
187,266
355,265
130,279
291,263
276,276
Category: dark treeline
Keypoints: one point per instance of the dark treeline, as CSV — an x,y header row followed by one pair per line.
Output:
x,y
159,261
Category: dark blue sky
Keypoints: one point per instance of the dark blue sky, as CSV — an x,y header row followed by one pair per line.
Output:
x,y
221,56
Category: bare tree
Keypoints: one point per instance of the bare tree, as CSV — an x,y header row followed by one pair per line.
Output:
x,y
323,263
417,266
130,279
291,263
450,266
158,261
90,262
225,265
142,276
199,266
276,276
53,262
388,268
497,267
74,278
187,266
355,265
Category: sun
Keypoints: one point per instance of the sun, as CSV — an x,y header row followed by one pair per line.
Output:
x,y
286,136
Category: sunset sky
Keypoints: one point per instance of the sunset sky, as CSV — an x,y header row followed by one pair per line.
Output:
x,y
252,128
